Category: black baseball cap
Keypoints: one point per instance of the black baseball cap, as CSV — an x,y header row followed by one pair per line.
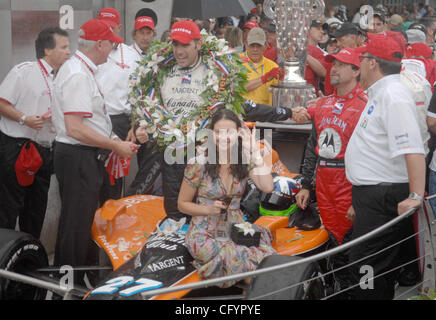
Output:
x,y
318,23
418,26
344,29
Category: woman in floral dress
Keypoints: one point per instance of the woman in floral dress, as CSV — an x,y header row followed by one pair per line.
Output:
x,y
217,256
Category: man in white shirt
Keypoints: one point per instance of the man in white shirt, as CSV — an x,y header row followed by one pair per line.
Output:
x,y
385,163
148,176
113,78
26,99
83,129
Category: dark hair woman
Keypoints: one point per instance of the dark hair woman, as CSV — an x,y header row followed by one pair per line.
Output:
x,y
218,187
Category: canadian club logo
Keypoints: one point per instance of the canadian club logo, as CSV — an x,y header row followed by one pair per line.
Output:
x,y
329,143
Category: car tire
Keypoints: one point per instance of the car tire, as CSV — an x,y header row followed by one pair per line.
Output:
x,y
20,253
281,284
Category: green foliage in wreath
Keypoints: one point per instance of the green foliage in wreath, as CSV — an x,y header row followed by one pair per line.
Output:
x,y
224,81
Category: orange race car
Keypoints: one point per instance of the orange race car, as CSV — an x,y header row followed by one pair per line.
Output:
x,y
143,256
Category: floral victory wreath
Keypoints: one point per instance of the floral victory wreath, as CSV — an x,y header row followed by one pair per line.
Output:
x,y
224,80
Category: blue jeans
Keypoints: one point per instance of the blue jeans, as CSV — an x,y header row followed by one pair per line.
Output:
x,y
432,190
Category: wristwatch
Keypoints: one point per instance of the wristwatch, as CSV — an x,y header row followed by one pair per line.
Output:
x,y
22,120
415,196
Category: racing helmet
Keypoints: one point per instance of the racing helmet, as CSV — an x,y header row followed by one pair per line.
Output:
x,y
281,201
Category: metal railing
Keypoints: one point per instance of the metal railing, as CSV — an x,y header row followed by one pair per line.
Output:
x,y
427,232
429,268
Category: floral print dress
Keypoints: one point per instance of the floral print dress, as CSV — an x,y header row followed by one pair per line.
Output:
x,y
216,258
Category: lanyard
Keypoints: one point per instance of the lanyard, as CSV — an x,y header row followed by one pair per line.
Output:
x,y
253,67
92,72
121,64
45,75
134,47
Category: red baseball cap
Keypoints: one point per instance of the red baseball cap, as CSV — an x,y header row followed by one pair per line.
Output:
x,y
27,164
110,15
383,47
419,49
250,25
398,37
144,21
95,30
346,55
185,31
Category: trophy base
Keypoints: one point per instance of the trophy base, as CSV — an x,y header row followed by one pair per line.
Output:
x,y
291,96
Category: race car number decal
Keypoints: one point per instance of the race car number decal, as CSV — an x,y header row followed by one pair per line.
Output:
x,y
115,284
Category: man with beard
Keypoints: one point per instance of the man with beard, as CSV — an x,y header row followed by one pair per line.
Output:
x,y
333,120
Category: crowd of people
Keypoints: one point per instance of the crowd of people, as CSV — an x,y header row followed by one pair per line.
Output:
x,y
371,125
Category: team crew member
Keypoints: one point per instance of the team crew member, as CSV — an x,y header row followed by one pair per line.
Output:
x,y
431,121
347,36
148,177
83,126
26,99
271,43
113,78
263,72
385,164
143,34
316,68
246,29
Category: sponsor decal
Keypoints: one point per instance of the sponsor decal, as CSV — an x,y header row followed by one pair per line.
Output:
x,y
161,242
333,121
353,109
178,90
330,143
161,265
181,30
337,108
186,79
108,247
107,15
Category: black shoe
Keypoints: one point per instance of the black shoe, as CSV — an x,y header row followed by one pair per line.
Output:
x,y
409,278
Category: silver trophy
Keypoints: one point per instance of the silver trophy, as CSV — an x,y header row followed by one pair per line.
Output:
x,y
293,19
